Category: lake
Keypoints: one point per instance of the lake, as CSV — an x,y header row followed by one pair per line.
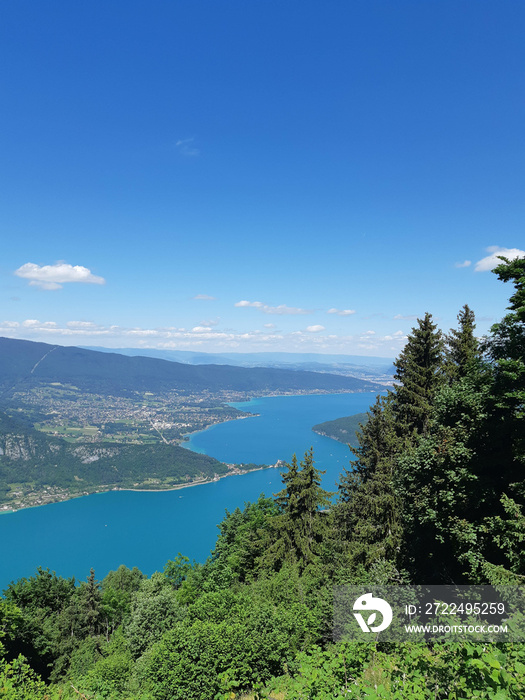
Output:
x,y
146,529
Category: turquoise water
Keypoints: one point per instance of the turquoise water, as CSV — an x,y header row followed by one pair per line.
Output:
x,y
146,529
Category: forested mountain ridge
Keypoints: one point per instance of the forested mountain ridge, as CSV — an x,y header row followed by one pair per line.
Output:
x,y
372,368
436,494
25,364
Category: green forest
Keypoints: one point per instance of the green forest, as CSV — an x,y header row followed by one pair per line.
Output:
x,y
434,494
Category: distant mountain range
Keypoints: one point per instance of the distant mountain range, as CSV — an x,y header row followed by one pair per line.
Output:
x,y
27,364
251,359
379,369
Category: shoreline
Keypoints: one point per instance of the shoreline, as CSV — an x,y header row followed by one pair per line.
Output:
x,y
235,471
207,481
186,438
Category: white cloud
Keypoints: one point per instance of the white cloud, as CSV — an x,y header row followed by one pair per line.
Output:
x,y
466,263
141,331
244,303
342,312
186,147
205,297
309,339
281,310
491,260
400,317
80,324
269,325
54,276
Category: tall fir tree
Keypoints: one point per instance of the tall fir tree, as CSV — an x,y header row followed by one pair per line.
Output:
x,y
90,602
367,512
419,373
300,526
506,349
503,532
462,346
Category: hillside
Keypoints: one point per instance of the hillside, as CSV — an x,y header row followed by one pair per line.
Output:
x,y
35,468
342,429
25,364
374,369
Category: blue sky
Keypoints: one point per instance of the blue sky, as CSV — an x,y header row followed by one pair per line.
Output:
x,y
249,176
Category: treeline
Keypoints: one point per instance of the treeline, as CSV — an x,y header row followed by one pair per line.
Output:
x,y
435,495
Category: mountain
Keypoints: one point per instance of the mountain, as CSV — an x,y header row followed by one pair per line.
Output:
x,y
26,364
380,369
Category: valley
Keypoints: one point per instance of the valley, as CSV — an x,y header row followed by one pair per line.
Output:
x,y
76,421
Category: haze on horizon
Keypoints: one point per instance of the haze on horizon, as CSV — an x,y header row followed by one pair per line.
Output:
x,y
258,177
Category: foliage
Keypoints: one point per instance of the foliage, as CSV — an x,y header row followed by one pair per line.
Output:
x,y
154,609
18,681
446,671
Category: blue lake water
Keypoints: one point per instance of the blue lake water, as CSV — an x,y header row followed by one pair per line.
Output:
x,y
146,529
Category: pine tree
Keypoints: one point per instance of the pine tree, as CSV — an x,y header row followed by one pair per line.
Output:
x,y
503,534
506,347
287,498
311,499
367,514
462,345
299,528
419,373
90,603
